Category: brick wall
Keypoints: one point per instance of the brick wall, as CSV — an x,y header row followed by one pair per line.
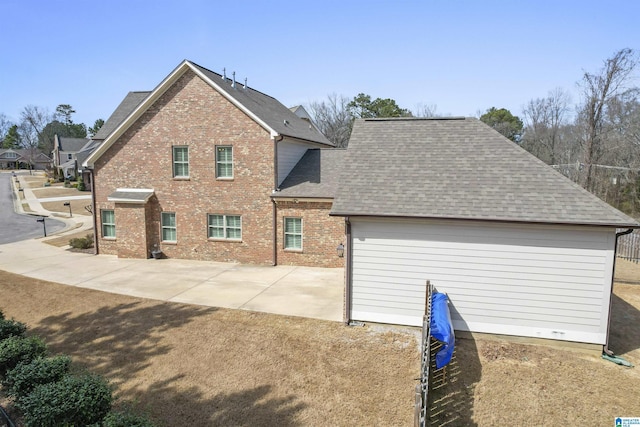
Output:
x,y
321,234
191,113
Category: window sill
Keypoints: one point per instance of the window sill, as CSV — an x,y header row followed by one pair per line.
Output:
x,y
181,178
295,251
224,179
169,242
213,239
110,239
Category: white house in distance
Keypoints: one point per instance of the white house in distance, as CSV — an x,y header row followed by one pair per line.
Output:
x,y
519,249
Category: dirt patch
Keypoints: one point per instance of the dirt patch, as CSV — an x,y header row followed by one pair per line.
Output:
x,y
58,191
627,272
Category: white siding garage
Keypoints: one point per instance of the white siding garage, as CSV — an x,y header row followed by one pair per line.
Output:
x,y
527,280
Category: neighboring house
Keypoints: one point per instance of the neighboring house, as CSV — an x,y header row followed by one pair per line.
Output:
x,y
65,152
24,158
519,249
198,169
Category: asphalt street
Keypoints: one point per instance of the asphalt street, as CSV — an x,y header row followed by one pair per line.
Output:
x,y
14,226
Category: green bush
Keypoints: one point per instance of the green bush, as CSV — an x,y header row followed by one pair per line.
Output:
x,y
75,400
14,350
11,328
81,186
22,379
85,242
126,418
1,315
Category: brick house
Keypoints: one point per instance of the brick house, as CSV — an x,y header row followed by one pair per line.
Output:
x,y
206,168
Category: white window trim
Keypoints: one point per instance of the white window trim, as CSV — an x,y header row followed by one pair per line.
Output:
x,y
174,162
219,162
103,223
285,233
224,228
163,227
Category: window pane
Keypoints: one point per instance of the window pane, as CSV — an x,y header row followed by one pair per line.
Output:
x,y
108,223
169,232
224,162
293,241
234,230
216,226
180,161
293,225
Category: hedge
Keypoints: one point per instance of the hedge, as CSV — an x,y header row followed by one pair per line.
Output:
x,y
14,350
75,400
22,379
11,328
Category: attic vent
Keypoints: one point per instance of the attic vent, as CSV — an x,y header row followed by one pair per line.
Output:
x,y
286,122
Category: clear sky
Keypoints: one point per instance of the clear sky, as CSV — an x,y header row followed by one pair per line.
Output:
x,y
462,56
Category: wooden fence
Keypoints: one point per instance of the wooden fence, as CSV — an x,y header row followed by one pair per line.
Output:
x,y
629,246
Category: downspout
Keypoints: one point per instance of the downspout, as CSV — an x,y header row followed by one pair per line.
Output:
x,y
606,350
274,225
347,273
93,211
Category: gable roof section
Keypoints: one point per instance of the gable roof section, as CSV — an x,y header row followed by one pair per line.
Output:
x,y
314,176
126,107
72,145
458,168
269,113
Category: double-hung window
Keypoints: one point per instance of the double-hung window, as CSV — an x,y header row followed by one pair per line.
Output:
x,y
228,227
108,223
293,233
224,162
168,225
181,161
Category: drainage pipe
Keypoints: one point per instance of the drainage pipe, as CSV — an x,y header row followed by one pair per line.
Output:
x,y
96,238
605,349
347,273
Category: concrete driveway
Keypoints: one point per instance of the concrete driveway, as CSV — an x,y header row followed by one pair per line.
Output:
x,y
288,290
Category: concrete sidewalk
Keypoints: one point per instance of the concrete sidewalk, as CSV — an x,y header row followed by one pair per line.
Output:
x,y
288,290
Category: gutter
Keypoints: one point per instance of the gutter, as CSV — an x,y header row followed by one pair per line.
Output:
x,y
95,214
274,225
605,349
347,271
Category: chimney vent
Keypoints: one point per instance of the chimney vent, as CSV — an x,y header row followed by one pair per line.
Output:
x,y
233,83
224,74
245,82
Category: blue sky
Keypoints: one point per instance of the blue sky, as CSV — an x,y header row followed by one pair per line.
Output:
x,y
462,56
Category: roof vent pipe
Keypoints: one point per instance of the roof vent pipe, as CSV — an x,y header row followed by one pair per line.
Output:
x,y
233,83
245,82
224,74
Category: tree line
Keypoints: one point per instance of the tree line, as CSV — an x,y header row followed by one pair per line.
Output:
x,y
595,142
36,128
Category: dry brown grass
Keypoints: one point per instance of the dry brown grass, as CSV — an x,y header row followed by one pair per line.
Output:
x,y
192,365
197,366
77,207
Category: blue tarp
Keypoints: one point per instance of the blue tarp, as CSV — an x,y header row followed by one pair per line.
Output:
x,y
441,328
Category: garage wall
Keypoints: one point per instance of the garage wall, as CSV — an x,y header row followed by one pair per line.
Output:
x,y
547,282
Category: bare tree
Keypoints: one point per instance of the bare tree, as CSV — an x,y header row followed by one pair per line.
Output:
x,y
33,121
333,118
545,119
599,90
426,111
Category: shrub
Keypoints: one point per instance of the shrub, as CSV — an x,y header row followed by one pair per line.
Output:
x,y
81,186
11,328
1,315
14,350
76,400
85,242
22,379
126,418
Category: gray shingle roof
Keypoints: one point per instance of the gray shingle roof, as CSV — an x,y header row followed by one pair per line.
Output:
x,y
315,175
457,168
72,145
270,110
126,107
